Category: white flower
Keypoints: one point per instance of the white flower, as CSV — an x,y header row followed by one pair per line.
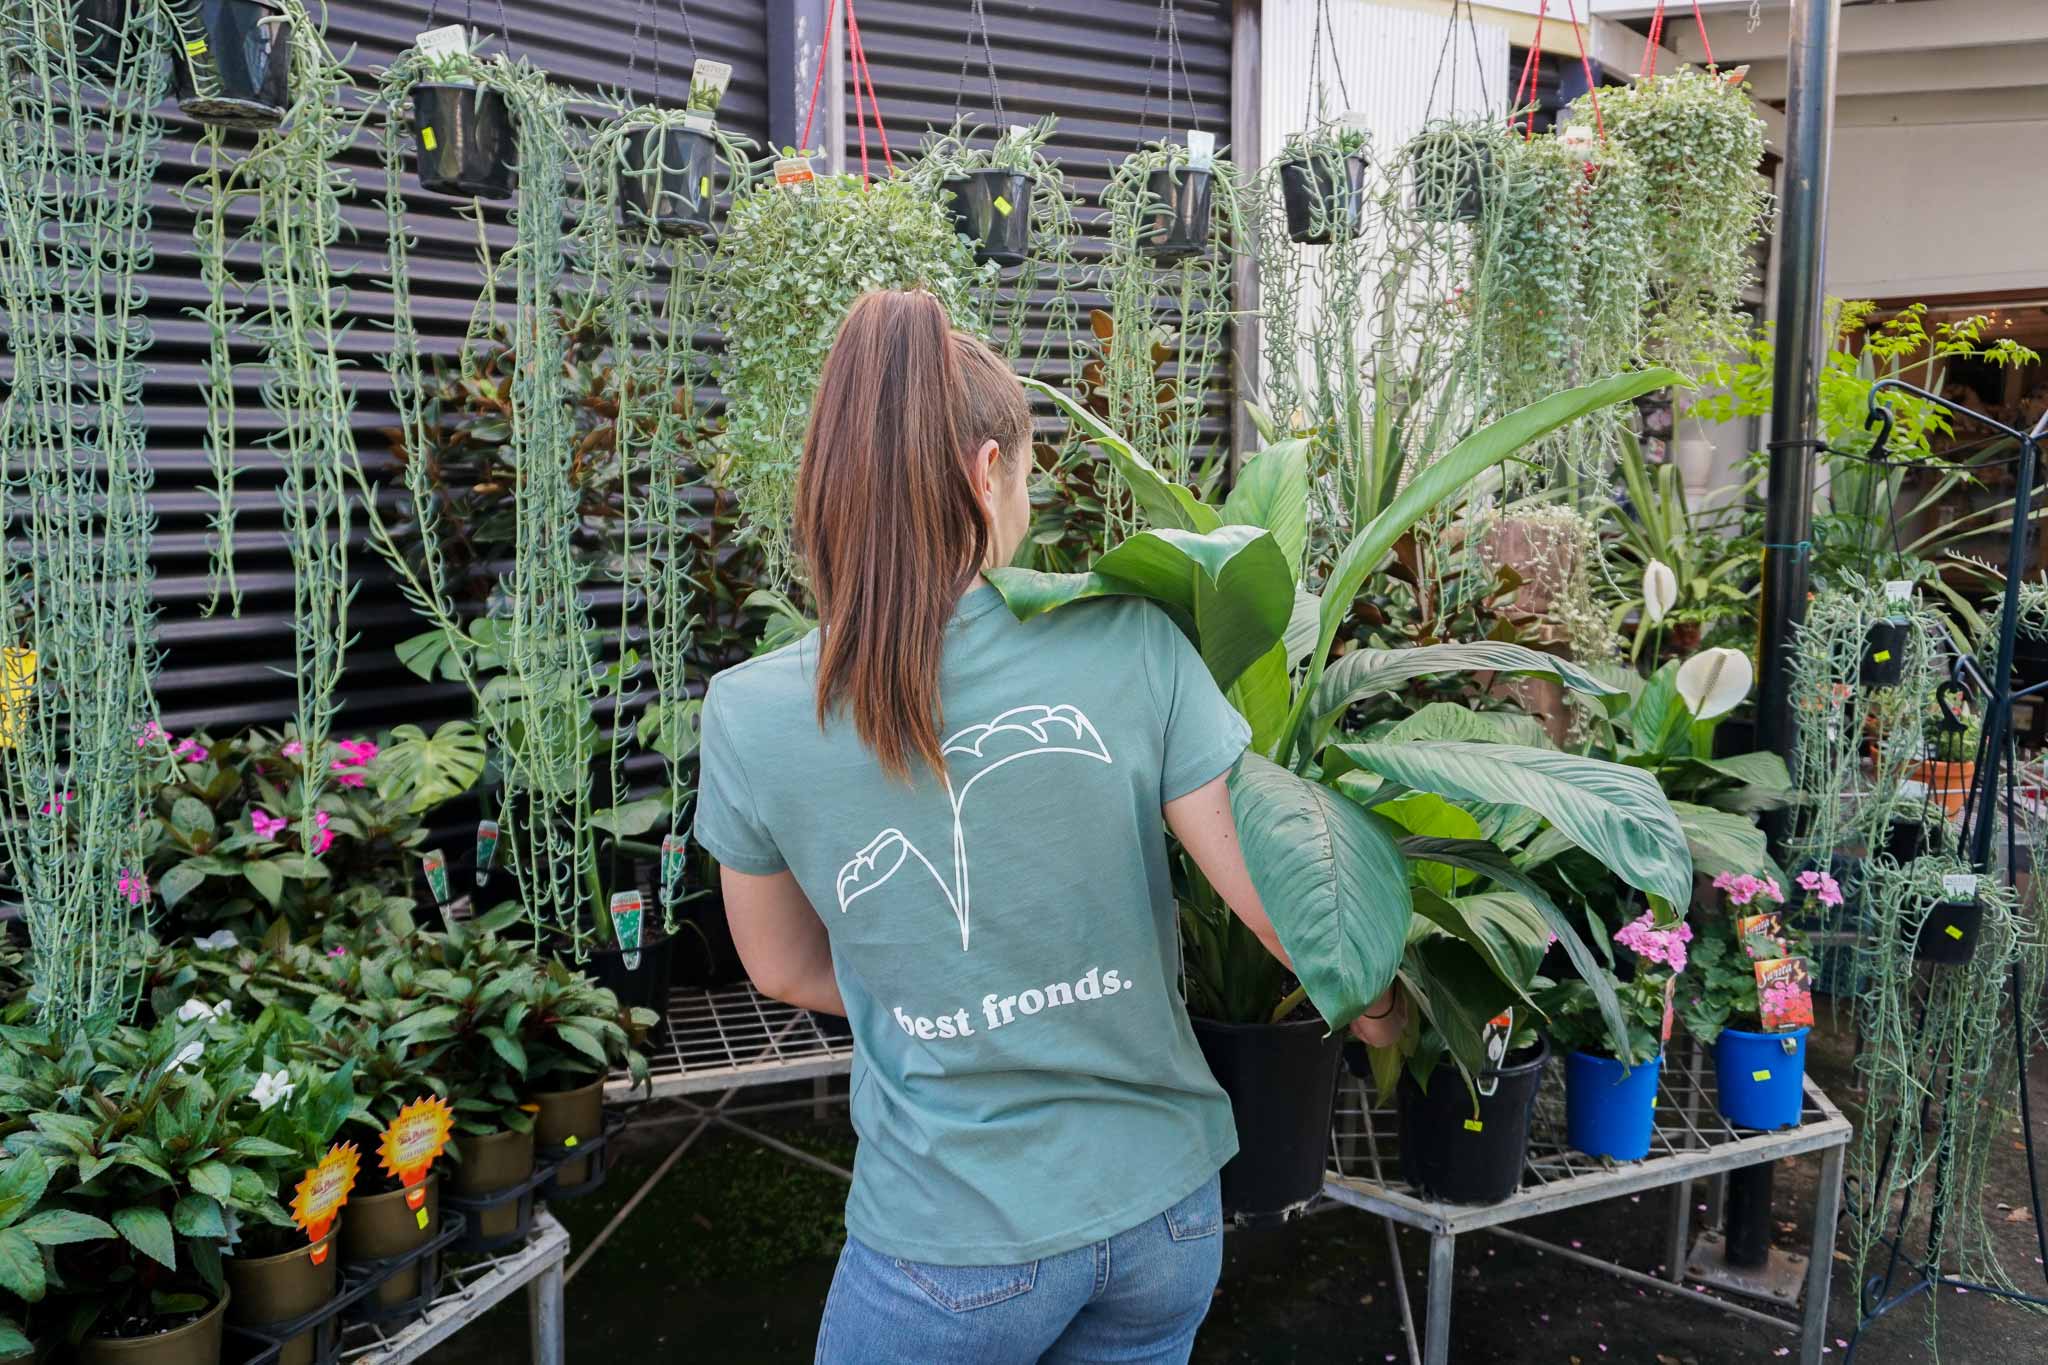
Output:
x,y
270,1088
1713,681
219,941
188,1054
1660,591
196,1008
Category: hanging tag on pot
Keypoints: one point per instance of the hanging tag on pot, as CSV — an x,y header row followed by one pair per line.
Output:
x,y
411,1142
1201,150
708,82
628,920
1670,1017
320,1195
450,40
1784,993
486,849
435,865
1494,1039
674,848
1959,886
1898,591
793,170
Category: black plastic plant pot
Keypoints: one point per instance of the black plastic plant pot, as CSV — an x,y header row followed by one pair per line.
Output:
x,y
1318,202
1884,653
644,985
1907,839
235,69
102,28
1949,933
466,141
1450,182
669,181
1450,1153
992,209
1282,1084
1175,224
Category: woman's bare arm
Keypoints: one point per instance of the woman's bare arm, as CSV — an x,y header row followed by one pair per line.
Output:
x,y
781,941
1202,822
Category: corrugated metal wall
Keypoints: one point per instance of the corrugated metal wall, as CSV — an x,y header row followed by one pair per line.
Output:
x,y
220,672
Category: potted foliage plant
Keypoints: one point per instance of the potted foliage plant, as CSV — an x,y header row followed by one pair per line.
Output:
x,y
992,191
465,112
233,60
1953,923
1751,1002
1611,1081
1322,184
669,165
1450,168
1468,1146
30,1223
576,1033
1359,850
1178,183
1950,769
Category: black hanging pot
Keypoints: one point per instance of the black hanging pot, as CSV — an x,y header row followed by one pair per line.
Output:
x,y
1884,653
1320,193
102,36
233,62
642,983
1175,223
466,141
1448,1152
992,209
1450,181
669,181
1282,1083
1906,839
1949,933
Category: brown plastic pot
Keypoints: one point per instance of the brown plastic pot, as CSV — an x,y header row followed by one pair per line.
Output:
x,y
569,1117
381,1226
196,1343
492,1162
277,1289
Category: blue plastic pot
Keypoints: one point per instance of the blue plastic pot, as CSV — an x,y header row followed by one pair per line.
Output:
x,y
1609,1109
1761,1077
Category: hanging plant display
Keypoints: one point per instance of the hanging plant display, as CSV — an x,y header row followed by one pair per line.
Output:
x,y
462,119
1884,644
233,60
1322,184
1700,147
670,165
1449,171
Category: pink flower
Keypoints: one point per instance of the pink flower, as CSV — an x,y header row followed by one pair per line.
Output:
x,y
356,751
191,750
337,951
293,749
1744,888
1642,937
1825,889
323,837
134,886
266,825
151,733
349,779
55,805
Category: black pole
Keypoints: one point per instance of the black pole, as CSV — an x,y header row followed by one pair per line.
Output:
x,y
1788,508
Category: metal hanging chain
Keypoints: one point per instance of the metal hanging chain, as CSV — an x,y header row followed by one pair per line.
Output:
x,y
1443,52
1168,23
644,11
1315,100
995,93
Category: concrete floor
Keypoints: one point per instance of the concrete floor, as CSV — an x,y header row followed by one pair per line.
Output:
x,y
730,1257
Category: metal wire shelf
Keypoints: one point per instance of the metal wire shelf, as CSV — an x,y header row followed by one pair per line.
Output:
x,y
468,1288
735,1036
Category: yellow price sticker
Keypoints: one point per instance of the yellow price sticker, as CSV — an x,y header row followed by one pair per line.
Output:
x,y
1003,206
196,48
569,1141
1954,931
421,1217
428,140
1474,1126
1883,656
17,685
1759,1075
704,187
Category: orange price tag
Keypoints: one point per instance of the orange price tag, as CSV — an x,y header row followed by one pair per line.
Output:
x,y
325,1188
413,1139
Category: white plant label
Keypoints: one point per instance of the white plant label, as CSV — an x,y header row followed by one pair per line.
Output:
x,y
1898,591
1912,789
1959,885
710,77
1201,151
447,41
1352,121
1018,132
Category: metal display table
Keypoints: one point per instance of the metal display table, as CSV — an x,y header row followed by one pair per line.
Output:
x,y
1691,1142
468,1289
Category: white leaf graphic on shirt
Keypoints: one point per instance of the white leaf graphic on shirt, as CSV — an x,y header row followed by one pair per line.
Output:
x,y
972,754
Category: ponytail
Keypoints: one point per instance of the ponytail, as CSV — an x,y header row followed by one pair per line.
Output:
x,y
887,520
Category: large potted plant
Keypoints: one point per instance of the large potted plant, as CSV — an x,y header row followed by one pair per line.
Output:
x,y
1468,1146
1357,849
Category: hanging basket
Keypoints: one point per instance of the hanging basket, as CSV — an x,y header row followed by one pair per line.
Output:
x,y
1449,180
669,181
1175,223
1949,933
102,36
992,209
1324,197
466,141
234,69
1884,652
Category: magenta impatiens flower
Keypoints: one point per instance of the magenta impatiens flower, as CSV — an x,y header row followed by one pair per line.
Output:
x,y
350,778
134,886
1646,940
1824,888
293,749
191,750
358,752
55,805
151,733
323,837
266,825
1743,888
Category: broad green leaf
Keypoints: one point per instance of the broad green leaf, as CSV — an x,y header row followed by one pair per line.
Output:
x,y
213,1178
1507,932
583,1041
13,1341
422,771
1659,715
22,1183
60,1227
1331,880
1364,672
508,1048
268,881
178,882
1763,771
1427,813
1261,694
1164,502
1448,720
149,1232
1453,986
1617,814
634,817
21,1266
1721,842
1272,492
190,816
1301,627
197,1215
429,654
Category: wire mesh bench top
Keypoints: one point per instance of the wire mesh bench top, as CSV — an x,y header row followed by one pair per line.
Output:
x,y
1691,1140
734,1036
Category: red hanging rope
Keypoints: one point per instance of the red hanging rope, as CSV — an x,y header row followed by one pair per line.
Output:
x,y
818,81
1527,85
857,62
1585,65
1655,39
1698,19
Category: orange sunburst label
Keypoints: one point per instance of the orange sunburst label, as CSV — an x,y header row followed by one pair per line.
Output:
x,y
412,1141
323,1191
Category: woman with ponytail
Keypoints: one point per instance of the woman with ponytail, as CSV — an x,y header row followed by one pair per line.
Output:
x,y
949,826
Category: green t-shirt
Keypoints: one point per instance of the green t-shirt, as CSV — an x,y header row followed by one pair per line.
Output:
x,y
1025,1080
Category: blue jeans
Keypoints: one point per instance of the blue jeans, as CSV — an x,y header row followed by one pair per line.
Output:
x,y
1137,1297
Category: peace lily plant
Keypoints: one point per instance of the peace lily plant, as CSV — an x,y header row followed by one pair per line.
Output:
x,y
1378,856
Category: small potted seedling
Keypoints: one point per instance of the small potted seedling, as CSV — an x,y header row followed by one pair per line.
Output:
x,y
1884,644
1949,933
990,194
464,129
668,168
1449,168
232,60
1322,184
1179,191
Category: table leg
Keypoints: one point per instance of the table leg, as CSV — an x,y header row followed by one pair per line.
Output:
x,y
1827,1209
1436,1348
544,1305
1678,1245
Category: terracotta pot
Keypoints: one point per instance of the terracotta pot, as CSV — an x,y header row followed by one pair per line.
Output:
x,y
1949,780
280,1288
569,1117
490,1163
382,1226
1545,562
196,1343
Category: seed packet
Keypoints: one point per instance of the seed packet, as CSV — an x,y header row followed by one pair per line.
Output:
x,y
628,921
1784,992
1763,936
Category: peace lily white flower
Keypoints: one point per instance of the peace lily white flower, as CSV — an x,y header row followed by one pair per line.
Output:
x,y
1714,681
219,941
199,1009
1660,591
270,1088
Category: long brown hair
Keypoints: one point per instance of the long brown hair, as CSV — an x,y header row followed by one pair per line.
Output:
x,y
887,519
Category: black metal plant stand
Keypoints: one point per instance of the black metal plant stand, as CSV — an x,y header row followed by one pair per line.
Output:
x,y
1908,1275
